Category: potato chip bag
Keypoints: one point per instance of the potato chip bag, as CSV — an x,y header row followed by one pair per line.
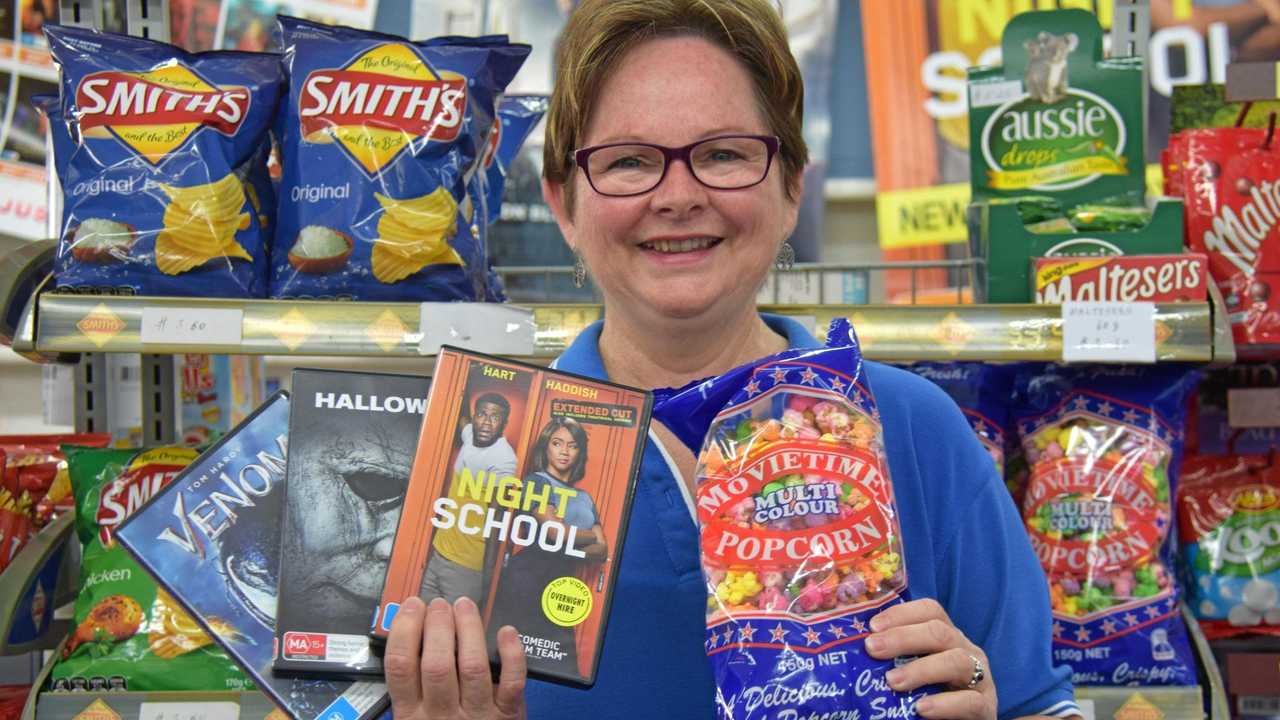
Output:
x,y
380,141
517,116
1229,527
146,145
1104,445
129,634
801,543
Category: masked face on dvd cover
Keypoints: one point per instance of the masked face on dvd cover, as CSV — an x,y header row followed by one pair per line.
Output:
x,y
356,480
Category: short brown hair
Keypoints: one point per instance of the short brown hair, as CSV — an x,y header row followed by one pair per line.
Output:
x,y
600,32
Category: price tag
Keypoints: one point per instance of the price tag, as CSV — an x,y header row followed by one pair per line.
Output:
x,y
1109,332
484,327
995,93
191,326
1253,407
220,710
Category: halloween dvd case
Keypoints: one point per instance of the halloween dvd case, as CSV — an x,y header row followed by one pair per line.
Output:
x,y
353,437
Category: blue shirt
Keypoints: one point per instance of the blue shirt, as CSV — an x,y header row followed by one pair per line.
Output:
x,y
964,541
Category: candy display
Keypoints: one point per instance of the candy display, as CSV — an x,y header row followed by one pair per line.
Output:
x,y
153,147
800,538
128,634
381,145
1103,446
1229,527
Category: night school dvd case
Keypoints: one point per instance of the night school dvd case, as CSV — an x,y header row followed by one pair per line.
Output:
x,y
211,538
352,441
519,499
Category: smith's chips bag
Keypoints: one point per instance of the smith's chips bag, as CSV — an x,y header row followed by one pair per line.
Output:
x,y
147,145
130,634
1104,445
381,139
518,115
801,544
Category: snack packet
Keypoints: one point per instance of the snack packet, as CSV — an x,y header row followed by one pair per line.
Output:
x,y
34,464
1104,445
517,116
1229,527
380,138
129,634
1108,218
1229,178
147,145
801,543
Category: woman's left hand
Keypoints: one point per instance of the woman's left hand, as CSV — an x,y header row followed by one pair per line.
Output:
x,y
944,656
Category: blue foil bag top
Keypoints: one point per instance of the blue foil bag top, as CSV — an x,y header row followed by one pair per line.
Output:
x,y
800,537
1104,445
212,539
517,116
380,140
152,146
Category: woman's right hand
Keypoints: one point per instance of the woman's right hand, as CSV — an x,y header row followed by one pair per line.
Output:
x,y
441,683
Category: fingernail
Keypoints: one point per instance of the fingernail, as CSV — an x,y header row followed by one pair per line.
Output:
x,y
878,623
437,604
412,604
925,705
894,677
875,644
464,603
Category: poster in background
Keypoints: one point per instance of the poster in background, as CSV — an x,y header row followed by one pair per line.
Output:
x,y
250,24
194,23
917,53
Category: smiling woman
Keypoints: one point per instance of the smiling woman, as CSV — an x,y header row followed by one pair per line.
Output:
x,y
673,164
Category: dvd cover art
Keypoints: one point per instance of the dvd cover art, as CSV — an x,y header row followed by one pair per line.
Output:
x,y
519,500
353,437
211,538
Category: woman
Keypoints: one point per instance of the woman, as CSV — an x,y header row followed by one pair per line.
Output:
x,y
678,245
558,459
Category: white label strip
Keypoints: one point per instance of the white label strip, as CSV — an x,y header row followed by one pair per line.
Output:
x,y
191,326
491,328
1109,332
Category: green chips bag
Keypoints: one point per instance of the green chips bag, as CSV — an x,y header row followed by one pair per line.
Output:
x,y
129,634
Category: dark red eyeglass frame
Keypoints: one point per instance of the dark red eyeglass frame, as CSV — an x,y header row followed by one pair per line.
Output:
x,y
771,143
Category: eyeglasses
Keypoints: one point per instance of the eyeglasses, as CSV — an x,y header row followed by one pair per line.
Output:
x,y
726,162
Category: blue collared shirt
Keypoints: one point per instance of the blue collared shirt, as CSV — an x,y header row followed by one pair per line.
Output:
x,y
964,541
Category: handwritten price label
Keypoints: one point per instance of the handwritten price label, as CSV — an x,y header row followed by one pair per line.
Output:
x,y
191,326
189,711
1109,332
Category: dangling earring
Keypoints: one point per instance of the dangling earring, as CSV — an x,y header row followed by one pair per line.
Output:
x,y
579,272
786,257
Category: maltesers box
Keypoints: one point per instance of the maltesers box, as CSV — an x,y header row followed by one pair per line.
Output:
x,y
1120,278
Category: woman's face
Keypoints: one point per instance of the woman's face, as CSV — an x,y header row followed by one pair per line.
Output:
x,y
681,250
562,451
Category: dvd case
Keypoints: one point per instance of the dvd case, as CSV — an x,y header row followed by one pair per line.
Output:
x,y
519,499
352,441
211,539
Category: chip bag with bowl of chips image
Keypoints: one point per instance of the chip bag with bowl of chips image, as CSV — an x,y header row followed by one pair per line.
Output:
x,y
382,143
153,147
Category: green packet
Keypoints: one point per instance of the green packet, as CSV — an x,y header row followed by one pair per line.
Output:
x,y
1032,208
129,633
1057,118
1108,218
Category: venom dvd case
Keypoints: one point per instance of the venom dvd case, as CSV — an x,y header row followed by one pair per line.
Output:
x,y
211,539
352,441
519,499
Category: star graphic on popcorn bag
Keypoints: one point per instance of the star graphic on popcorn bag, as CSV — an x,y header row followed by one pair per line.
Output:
x,y
778,634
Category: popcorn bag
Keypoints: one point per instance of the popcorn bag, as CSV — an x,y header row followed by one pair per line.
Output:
x,y
1104,445
801,545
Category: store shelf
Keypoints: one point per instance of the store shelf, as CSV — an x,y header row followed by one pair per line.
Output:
x,y
78,323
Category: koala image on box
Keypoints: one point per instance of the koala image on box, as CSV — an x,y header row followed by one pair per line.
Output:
x,y
1046,75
